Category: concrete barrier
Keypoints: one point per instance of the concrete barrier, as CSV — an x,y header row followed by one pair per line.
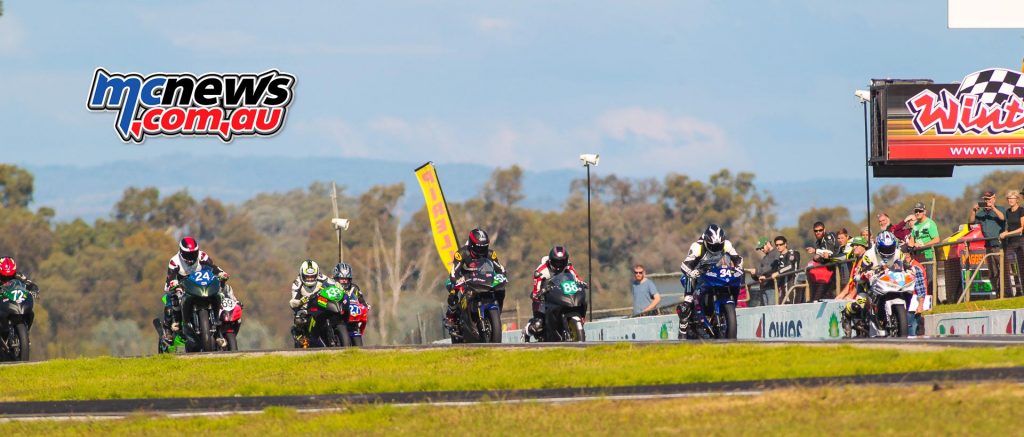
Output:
x,y
994,322
813,321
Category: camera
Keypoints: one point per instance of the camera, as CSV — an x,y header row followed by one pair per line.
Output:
x,y
982,204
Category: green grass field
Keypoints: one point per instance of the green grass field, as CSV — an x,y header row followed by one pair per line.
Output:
x,y
365,371
988,409
980,305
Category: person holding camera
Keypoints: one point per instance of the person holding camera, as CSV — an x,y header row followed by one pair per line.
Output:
x,y
992,220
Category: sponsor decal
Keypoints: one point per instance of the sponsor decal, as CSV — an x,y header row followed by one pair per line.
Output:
x,y
437,210
224,105
779,329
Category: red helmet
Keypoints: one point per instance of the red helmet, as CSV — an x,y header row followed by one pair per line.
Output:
x,y
188,248
479,243
8,267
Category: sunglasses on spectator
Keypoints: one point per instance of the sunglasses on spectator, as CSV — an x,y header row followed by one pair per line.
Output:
x,y
918,211
819,230
638,273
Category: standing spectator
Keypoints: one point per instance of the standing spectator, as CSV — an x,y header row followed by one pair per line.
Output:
x,y
788,261
1012,240
866,235
900,230
858,246
844,254
822,279
924,233
645,294
765,294
992,221
919,301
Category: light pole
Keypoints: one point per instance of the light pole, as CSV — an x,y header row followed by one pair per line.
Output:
x,y
340,224
588,160
865,97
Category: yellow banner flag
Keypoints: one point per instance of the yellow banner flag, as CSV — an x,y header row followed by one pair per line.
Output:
x,y
437,211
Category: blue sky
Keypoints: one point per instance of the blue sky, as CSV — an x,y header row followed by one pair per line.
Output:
x,y
654,86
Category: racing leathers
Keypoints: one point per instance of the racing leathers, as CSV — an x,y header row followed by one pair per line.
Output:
x,y
300,295
691,268
177,270
540,277
30,286
871,264
455,280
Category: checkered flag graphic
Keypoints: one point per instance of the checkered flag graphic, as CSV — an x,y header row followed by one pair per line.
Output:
x,y
994,85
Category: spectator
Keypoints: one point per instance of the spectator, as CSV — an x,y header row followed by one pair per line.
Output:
x,y
788,261
822,279
765,294
844,254
992,221
923,234
920,302
858,246
901,230
645,294
1012,240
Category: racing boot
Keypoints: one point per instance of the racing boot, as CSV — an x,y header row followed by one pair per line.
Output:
x,y
685,312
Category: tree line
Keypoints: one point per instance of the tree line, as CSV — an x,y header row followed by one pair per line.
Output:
x,y
101,282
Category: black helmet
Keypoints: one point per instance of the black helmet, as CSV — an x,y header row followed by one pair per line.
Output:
x,y
558,259
342,274
479,243
714,238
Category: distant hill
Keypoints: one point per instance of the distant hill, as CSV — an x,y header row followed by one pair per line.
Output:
x,y
90,192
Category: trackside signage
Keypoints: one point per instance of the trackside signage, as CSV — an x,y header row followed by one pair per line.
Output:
x,y
979,119
222,105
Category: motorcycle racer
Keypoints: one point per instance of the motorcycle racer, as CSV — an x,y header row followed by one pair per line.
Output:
x,y
712,242
188,260
477,246
556,262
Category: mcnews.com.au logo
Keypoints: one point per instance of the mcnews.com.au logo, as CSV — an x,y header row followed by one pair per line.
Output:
x,y
173,104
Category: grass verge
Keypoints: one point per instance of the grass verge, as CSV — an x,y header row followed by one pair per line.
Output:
x,y
980,305
361,371
986,409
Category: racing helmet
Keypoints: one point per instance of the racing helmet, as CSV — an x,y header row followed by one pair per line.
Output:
x,y
713,238
558,259
342,274
309,270
188,250
8,267
886,244
479,243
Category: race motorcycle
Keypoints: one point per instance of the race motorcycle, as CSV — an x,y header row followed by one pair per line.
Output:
x,y
883,308
200,308
356,316
16,314
479,310
564,306
229,322
714,301
326,320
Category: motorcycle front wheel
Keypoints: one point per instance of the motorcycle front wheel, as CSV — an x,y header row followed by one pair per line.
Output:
x,y
494,319
899,320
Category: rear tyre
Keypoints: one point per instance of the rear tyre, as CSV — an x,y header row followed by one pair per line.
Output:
x,y
729,318
494,319
205,334
900,318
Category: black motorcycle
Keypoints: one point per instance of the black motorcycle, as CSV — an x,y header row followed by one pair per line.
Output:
x,y
479,303
16,315
200,308
326,319
564,305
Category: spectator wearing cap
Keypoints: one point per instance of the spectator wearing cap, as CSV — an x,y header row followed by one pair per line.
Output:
x,y
1012,240
858,246
788,261
992,221
924,233
901,230
765,293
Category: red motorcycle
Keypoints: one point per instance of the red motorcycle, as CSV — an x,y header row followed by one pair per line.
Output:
x,y
356,313
230,319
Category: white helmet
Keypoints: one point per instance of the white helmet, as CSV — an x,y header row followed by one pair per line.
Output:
x,y
310,271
